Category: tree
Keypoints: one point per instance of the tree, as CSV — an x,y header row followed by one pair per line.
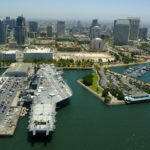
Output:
x,y
107,99
105,92
120,95
88,79
97,68
100,61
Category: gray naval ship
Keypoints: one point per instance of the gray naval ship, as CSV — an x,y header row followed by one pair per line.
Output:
x,y
51,89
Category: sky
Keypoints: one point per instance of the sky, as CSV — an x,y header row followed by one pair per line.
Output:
x,y
76,9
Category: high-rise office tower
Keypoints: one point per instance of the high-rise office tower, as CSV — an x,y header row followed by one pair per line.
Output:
x,y
94,29
121,31
60,28
94,23
49,31
2,32
8,21
12,23
33,26
143,33
134,28
78,24
95,32
20,30
79,27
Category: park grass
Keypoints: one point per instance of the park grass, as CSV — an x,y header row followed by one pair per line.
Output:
x,y
95,86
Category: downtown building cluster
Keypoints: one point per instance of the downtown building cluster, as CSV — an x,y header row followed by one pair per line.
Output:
x,y
126,31
19,30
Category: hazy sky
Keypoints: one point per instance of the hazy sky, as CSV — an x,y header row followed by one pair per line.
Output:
x,y
76,9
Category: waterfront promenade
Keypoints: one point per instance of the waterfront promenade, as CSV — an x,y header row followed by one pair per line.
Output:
x,y
113,102
131,64
75,68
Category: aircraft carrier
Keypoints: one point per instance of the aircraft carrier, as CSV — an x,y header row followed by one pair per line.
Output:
x,y
50,89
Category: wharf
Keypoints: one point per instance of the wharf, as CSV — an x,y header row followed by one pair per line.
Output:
x,y
10,130
12,83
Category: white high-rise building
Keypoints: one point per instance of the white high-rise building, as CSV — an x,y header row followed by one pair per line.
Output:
x,y
95,32
97,44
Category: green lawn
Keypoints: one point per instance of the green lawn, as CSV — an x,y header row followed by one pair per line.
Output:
x,y
94,85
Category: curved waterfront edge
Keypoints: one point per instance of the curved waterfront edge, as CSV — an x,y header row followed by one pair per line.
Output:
x,y
75,68
120,65
102,99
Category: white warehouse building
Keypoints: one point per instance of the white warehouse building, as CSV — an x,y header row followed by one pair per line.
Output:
x,y
39,53
18,70
9,55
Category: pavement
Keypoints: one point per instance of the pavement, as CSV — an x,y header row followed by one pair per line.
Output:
x,y
9,111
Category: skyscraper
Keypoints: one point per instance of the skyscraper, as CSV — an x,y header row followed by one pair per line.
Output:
x,y
94,29
94,23
12,23
95,32
20,30
97,44
8,21
60,28
33,26
79,27
121,31
134,28
78,24
2,32
49,31
143,33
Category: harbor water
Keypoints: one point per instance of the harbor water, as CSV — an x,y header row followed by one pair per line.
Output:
x,y
87,124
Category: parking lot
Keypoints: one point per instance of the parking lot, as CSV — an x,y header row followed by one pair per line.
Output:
x,y
9,87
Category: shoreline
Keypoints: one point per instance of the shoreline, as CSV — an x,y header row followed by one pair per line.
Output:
x,y
75,68
121,65
102,99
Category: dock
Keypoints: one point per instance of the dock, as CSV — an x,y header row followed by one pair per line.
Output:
x,y
13,81
43,89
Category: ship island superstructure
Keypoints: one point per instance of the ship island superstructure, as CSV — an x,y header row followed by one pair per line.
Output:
x,y
51,89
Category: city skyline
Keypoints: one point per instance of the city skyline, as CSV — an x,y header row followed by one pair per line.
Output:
x,y
107,10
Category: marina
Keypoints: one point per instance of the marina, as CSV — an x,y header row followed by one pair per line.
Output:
x,y
137,71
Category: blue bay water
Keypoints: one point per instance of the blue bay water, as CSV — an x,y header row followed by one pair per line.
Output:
x,y
87,124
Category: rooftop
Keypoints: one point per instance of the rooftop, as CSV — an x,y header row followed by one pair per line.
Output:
x,y
141,96
9,52
38,50
19,67
122,22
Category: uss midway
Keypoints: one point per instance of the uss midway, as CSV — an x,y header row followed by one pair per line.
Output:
x,y
50,89
43,88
